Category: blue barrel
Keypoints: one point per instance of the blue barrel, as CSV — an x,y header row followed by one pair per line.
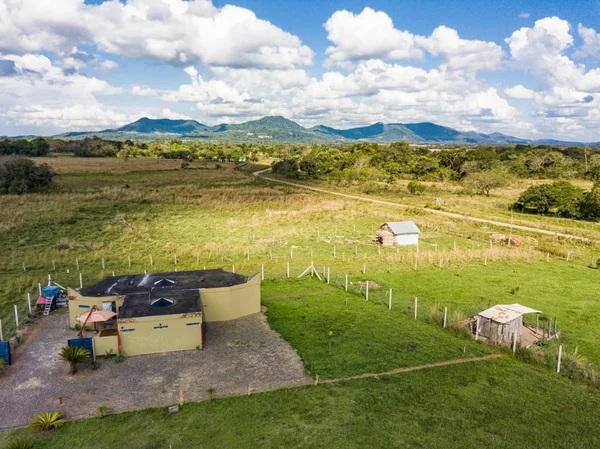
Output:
x,y
50,292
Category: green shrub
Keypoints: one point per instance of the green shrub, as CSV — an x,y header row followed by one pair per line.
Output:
x,y
47,421
416,187
19,175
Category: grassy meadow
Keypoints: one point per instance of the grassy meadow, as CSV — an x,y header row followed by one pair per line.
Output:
x,y
219,215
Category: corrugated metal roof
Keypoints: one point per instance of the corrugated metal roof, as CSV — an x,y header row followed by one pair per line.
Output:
x,y
503,313
403,227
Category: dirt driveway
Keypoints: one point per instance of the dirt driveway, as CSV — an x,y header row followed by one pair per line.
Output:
x,y
238,354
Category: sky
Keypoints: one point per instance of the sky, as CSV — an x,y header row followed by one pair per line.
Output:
x,y
525,68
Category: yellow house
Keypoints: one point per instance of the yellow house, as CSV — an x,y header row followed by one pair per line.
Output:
x,y
163,312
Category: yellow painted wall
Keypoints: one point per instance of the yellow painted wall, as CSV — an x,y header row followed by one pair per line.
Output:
x,y
229,303
140,335
79,304
102,345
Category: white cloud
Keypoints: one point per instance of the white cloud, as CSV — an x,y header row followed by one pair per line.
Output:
x,y
175,31
524,15
566,101
68,118
591,42
143,91
36,92
519,92
167,113
107,65
368,35
460,53
372,35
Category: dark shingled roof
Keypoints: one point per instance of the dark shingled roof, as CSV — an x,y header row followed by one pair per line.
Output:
x,y
151,282
138,305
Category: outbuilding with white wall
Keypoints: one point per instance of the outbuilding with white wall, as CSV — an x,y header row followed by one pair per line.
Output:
x,y
398,233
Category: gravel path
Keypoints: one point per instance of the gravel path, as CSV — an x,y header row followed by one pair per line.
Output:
x,y
238,354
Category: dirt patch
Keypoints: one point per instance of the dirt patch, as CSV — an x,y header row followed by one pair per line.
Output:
x,y
238,355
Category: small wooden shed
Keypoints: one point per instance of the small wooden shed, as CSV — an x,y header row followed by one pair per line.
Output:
x,y
398,233
503,322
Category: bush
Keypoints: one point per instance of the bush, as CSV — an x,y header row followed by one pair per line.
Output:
x,y
416,187
560,197
47,421
21,443
19,175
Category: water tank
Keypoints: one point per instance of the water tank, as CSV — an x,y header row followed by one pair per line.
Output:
x,y
50,292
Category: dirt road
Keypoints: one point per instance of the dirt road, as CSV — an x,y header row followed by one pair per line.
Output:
x,y
426,209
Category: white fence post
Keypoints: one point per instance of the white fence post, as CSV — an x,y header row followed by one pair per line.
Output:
x,y
367,291
129,261
559,358
103,263
262,271
328,275
29,302
514,348
77,263
288,269
390,303
40,288
16,316
346,281
151,261
1,333
80,280
53,265
445,316
416,305
477,328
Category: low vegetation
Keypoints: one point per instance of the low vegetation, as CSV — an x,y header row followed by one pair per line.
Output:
x,y
74,355
19,175
563,199
47,421
121,209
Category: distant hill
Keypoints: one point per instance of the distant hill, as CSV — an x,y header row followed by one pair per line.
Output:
x,y
146,125
278,129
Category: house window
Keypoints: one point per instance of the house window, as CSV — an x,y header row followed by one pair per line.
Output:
x,y
162,302
127,330
160,326
164,283
193,324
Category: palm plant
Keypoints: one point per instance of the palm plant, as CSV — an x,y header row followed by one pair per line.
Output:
x,y
74,355
47,421
21,443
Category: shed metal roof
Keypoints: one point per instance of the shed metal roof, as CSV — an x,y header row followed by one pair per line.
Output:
x,y
403,227
504,313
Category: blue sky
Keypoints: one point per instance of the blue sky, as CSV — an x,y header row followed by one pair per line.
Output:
x,y
529,69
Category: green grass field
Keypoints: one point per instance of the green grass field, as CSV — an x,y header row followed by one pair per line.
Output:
x,y
224,217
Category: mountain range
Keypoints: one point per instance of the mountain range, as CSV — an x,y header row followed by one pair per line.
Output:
x,y
278,129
